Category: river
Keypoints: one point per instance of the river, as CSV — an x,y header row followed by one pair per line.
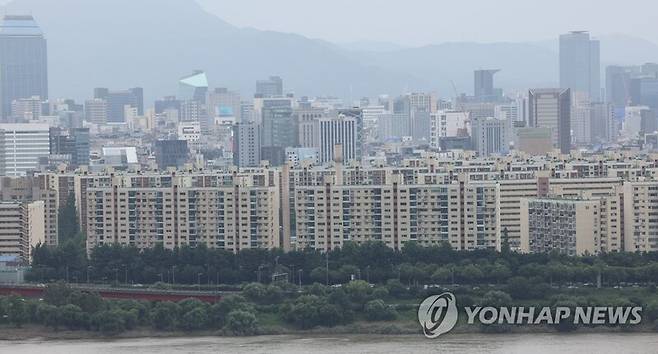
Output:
x,y
468,344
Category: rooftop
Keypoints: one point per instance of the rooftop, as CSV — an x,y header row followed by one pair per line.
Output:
x,y
19,26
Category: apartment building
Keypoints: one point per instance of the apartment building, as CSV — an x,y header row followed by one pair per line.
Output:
x,y
22,226
231,211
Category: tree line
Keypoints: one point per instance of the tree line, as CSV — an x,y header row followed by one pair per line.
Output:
x,y
372,262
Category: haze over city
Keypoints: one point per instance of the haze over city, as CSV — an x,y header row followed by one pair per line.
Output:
x,y
333,177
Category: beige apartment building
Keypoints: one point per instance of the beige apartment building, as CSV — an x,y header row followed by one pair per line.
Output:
x,y
29,189
467,202
569,226
640,205
22,226
231,211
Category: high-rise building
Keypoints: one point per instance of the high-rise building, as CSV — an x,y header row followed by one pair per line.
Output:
x,y
224,103
72,142
47,189
171,153
551,108
618,85
603,128
240,210
21,147
484,89
270,87
277,134
489,136
580,64
246,144
193,87
567,226
96,111
23,62
306,123
23,227
339,131
26,109
118,100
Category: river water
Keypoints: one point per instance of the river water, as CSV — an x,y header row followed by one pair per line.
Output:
x,y
612,343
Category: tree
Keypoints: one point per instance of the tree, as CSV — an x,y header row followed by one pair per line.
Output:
x,y
72,317
110,322
163,315
49,315
16,311
67,221
358,291
242,323
194,319
377,310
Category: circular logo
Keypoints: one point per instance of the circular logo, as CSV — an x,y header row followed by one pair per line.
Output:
x,y
438,314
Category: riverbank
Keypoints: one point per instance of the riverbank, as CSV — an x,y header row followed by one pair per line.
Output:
x,y
393,328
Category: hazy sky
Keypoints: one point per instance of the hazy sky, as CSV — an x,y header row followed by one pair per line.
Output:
x,y
419,22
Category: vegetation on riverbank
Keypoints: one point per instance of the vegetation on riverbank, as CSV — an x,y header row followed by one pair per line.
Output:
x,y
282,308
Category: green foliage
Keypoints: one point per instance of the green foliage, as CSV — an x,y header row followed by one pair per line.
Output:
x,y
67,221
242,323
309,311
17,311
164,315
110,322
377,310
194,320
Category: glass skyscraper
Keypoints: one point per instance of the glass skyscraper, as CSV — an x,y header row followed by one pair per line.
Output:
x,y
23,61
580,64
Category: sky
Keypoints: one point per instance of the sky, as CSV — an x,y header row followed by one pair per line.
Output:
x,y
422,22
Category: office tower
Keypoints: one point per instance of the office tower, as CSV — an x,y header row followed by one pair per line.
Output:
x,y
448,124
23,227
21,147
193,87
171,153
306,124
23,62
580,64
420,125
644,92
246,144
270,87
357,114
339,131
96,111
26,109
603,126
247,112
72,142
166,103
484,90
551,108
392,126
277,134
618,85
118,100
638,120
581,115
489,136
224,103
